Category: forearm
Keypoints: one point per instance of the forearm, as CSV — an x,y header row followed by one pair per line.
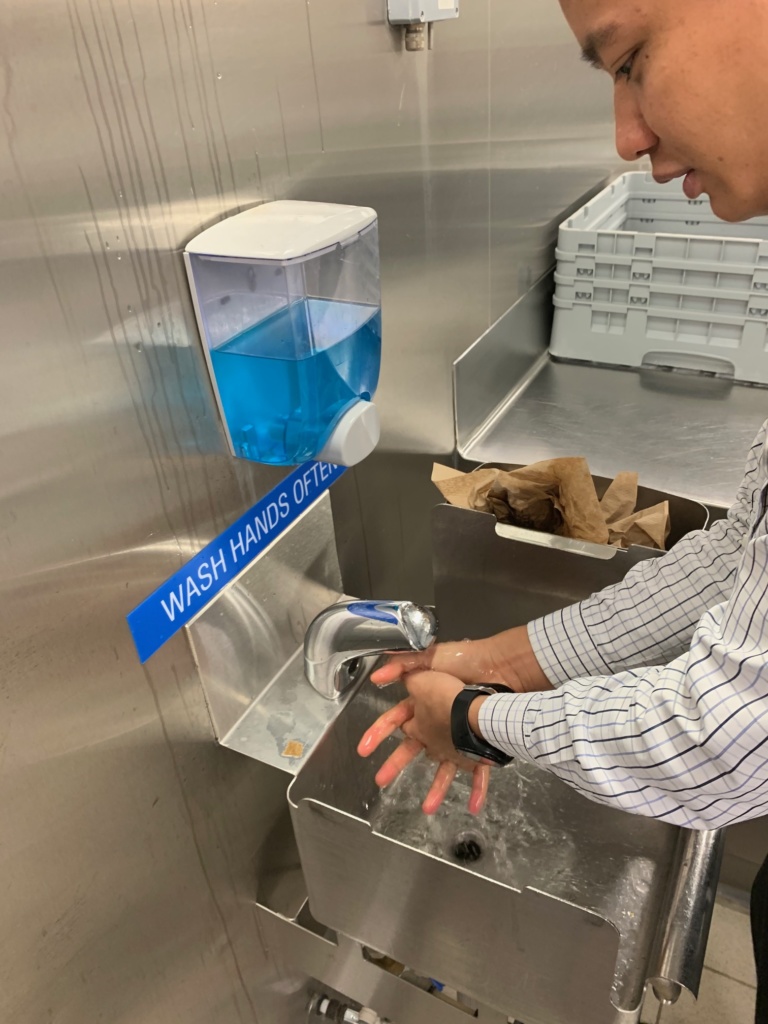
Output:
x,y
625,741
647,619
685,742
514,661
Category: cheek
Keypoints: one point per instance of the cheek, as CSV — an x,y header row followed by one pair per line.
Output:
x,y
676,100
670,107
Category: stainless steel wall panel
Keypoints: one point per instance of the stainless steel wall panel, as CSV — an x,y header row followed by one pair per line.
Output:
x,y
550,140
129,835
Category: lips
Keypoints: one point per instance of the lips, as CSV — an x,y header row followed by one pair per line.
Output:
x,y
692,185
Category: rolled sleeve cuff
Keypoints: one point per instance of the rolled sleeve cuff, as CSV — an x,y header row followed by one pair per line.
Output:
x,y
563,646
504,722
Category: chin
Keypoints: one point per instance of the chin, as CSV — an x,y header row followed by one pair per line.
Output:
x,y
733,208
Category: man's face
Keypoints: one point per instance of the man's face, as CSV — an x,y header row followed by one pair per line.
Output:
x,y
691,90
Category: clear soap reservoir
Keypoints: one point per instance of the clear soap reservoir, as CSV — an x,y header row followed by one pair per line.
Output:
x,y
288,302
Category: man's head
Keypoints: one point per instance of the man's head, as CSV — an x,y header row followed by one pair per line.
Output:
x,y
691,90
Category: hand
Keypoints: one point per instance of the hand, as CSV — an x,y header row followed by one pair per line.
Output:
x,y
504,658
425,719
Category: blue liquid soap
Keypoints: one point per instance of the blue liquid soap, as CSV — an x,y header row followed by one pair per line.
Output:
x,y
285,382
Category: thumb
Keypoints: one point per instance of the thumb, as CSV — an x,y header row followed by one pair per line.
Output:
x,y
399,665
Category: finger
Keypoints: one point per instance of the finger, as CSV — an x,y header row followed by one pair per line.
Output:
x,y
408,729
408,751
480,779
385,726
399,665
438,791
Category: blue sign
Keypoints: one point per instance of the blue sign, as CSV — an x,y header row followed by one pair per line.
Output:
x,y
189,590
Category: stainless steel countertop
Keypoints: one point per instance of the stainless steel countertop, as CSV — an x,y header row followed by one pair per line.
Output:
x,y
685,434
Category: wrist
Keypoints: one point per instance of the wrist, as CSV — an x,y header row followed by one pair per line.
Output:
x,y
526,665
465,730
473,715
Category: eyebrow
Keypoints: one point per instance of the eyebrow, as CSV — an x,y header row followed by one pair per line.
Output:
x,y
596,41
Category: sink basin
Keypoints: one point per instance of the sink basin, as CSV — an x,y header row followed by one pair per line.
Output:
x,y
546,907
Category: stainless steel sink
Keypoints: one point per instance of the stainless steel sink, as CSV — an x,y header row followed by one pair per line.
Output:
x,y
547,907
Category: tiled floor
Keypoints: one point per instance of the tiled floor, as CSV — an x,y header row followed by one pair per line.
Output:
x,y
728,985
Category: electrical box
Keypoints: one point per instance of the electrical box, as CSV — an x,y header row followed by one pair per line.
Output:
x,y
410,12
288,304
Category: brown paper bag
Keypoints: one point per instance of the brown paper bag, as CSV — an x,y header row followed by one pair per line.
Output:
x,y
649,528
558,496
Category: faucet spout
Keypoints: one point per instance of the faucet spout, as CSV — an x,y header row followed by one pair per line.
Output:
x,y
342,640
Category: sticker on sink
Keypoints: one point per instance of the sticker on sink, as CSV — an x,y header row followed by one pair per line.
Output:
x,y
293,748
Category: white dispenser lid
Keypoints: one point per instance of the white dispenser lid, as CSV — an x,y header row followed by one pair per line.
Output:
x,y
283,230
354,437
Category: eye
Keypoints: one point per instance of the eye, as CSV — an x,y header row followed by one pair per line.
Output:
x,y
625,71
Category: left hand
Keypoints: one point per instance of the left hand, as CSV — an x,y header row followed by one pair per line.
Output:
x,y
424,717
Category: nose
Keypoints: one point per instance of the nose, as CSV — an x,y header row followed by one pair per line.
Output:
x,y
634,138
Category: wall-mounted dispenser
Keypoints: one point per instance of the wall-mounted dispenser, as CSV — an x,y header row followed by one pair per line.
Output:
x,y
288,303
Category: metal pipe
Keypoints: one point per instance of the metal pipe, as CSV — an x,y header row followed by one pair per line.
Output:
x,y
415,39
688,916
341,1013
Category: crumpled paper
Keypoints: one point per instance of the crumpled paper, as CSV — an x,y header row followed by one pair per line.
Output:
x,y
559,496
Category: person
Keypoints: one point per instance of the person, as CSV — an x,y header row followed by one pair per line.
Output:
x,y
651,696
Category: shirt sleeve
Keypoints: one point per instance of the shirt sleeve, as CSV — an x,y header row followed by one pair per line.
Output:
x,y
649,618
685,742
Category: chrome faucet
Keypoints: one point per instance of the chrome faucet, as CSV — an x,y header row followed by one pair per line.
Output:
x,y
344,640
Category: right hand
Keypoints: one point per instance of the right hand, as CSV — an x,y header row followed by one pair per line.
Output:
x,y
424,720
506,658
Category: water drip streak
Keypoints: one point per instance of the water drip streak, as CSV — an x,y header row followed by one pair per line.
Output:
x,y
217,104
314,75
123,151
200,90
177,102
147,264
71,333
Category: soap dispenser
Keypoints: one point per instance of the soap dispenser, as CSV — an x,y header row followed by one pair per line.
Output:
x,y
288,304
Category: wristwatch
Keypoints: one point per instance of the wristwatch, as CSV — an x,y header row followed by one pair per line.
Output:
x,y
464,739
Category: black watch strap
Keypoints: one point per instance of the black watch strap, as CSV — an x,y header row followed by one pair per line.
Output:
x,y
464,739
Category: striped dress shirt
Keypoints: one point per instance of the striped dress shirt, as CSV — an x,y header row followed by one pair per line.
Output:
x,y
660,704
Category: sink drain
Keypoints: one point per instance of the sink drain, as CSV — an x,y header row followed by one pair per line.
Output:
x,y
467,848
